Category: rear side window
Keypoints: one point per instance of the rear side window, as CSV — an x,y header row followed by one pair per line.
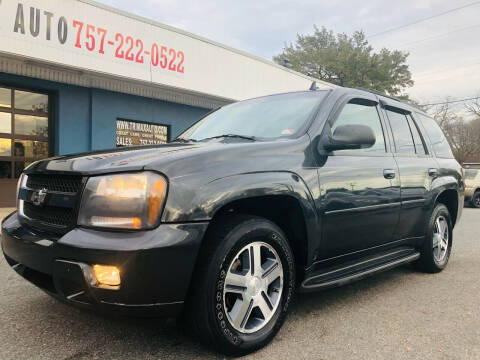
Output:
x,y
437,138
417,139
361,114
401,133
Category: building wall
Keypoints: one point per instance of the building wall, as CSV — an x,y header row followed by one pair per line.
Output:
x,y
106,108
84,119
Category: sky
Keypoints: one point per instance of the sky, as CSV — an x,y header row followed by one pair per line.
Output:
x,y
444,51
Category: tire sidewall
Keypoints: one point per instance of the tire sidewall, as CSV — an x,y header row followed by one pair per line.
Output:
x,y
240,236
474,197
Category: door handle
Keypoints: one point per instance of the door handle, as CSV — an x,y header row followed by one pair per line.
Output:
x,y
389,174
432,172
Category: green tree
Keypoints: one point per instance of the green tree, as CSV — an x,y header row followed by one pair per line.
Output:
x,y
347,61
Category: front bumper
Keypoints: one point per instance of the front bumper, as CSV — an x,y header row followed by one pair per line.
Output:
x,y
155,265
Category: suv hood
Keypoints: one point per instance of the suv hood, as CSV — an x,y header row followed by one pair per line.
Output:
x,y
210,160
109,161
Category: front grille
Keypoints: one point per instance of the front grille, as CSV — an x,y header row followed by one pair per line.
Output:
x,y
56,213
58,217
60,183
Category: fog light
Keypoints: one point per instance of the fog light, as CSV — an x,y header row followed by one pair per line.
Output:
x,y
107,275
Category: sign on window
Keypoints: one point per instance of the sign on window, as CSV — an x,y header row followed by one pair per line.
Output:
x,y
135,133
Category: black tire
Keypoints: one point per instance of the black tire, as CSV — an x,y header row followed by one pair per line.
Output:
x,y
475,200
205,311
428,262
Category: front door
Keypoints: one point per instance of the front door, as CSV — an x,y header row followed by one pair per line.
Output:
x,y
359,189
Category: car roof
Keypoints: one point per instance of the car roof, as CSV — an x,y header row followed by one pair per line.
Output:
x,y
385,99
339,91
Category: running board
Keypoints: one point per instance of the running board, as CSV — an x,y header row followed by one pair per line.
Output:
x,y
353,271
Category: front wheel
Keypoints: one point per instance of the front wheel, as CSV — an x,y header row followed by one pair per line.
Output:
x,y
438,243
243,285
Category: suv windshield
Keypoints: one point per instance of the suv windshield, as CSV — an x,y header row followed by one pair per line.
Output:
x,y
266,117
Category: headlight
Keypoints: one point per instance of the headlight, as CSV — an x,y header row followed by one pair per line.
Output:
x,y
123,201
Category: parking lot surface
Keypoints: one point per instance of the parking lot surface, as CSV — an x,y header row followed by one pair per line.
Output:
x,y
399,314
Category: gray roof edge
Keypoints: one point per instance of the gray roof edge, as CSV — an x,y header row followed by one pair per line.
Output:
x,y
200,38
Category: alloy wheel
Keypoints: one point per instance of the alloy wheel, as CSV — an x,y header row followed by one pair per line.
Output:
x,y
440,239
253,287
476,200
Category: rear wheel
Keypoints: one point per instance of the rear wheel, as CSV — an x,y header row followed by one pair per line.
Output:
x,y
438,243
475,201
243,285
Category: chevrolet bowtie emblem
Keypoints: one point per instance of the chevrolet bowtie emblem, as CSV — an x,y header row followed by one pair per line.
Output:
x,y
38,197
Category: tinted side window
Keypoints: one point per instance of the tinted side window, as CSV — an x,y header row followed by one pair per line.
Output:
x,y
419,147
439,141
363,115
401,133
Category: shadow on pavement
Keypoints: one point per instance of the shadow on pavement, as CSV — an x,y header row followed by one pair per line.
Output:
x,y
103,336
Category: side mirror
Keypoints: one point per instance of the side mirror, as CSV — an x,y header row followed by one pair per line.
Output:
x,y
351,137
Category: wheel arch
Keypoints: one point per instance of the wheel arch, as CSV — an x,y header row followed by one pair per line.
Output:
x,y
282,198
450,198
283,210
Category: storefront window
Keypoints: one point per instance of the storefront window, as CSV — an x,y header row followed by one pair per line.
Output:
x,y
5,123
31,149
23,130
5,98
31,125
5,147
31,101
5,170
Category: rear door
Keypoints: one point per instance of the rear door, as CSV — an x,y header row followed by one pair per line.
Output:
x,y
417,170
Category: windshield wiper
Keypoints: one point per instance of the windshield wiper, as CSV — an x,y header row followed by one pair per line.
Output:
x,y
182,140
251,138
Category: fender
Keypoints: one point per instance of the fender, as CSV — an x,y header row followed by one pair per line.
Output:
x,y
187,205
444,183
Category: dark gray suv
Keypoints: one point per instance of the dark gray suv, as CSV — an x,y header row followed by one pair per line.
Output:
x,y
291,192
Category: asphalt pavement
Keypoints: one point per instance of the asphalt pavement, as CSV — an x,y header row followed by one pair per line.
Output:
x,y
399,314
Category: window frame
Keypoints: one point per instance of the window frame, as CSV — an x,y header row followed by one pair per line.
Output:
x,y
387,107
12,136
337,110
422,139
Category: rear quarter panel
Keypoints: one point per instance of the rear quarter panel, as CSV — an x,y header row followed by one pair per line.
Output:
x,y
450,176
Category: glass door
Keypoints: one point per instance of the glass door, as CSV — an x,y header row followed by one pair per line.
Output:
x,y
24,136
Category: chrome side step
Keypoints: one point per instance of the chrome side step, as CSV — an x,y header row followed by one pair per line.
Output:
x,y
341,275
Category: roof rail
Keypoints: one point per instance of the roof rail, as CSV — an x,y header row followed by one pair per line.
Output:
x,y
380,93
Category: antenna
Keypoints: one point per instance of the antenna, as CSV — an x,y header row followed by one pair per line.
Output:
x,y
314,86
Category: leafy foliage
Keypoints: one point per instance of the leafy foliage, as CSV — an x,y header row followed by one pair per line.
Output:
x,y
347,61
